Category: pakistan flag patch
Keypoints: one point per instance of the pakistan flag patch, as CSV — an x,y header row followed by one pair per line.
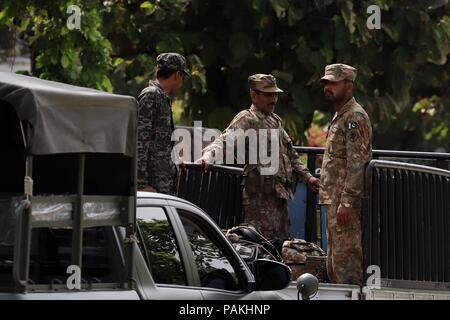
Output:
x,y
352,125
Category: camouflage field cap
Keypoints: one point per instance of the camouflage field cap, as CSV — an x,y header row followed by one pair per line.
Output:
x,y
173,61
338,72
263,82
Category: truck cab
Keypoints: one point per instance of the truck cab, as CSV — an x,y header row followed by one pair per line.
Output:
x,y
187,256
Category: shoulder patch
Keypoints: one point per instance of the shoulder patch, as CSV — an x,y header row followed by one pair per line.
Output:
x,y
352,125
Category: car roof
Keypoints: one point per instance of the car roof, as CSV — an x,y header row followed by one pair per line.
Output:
x,y
162,196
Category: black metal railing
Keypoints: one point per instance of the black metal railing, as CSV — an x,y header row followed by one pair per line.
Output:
x,y
217,191
406,222
433,159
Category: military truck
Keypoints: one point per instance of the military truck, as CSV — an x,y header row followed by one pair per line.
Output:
x,y
69,227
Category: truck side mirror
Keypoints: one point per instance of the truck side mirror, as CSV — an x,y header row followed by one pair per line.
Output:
x,y
307,286
271,275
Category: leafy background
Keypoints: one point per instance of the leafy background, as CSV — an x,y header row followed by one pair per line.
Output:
x,y
403,68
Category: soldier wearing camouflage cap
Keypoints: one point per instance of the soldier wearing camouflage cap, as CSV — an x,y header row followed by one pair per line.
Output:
x,y
263,83
155,170
264,196
348,149
172,61
339,72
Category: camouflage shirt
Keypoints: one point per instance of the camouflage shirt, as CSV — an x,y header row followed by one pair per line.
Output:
x,y
348,149
155,126
288,158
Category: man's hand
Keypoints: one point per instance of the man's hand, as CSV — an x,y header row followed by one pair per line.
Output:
x,y
314,184
344,215
204,163
148,189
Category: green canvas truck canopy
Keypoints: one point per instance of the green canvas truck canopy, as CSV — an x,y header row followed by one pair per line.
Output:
x,y
66,119
68,171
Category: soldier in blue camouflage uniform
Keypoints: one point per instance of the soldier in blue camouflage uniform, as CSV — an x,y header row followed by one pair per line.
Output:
x,y
348,149
156,172
265,197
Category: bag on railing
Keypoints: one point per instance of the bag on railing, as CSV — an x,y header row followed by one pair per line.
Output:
x,y
304,257
251,245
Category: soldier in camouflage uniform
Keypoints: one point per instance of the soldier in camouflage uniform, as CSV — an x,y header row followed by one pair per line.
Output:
x,y
265,196
348,149
156,172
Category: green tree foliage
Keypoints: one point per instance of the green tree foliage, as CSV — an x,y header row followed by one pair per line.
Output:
x,y
80,57
401,64
403,68
139,31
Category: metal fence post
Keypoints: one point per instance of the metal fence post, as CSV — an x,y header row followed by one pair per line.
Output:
x,y
311,221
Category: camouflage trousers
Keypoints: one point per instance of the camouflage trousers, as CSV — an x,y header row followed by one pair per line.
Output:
x,y
267,213
344,256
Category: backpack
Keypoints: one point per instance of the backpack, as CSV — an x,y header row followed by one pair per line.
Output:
x,y
304,257
251,245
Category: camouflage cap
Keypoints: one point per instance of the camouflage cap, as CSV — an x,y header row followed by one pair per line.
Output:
x,y
173,61
338,72
263,83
